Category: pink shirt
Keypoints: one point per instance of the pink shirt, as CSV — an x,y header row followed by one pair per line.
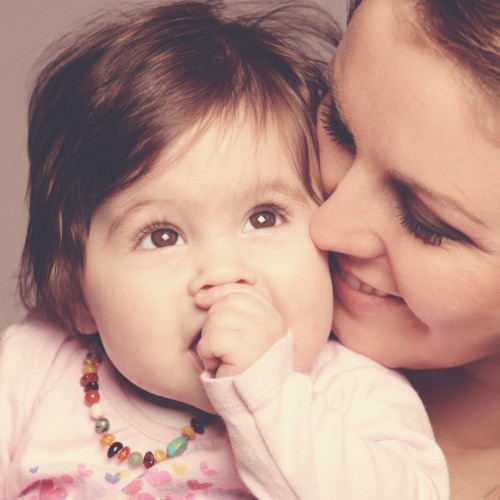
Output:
x,y
49,448
348,430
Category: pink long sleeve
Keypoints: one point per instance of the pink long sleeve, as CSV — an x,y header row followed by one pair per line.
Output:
x,y
350,429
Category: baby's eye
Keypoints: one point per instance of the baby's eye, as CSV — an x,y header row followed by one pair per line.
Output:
x,y
263,219
160,238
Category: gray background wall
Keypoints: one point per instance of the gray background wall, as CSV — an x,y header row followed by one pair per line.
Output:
x,y
26,28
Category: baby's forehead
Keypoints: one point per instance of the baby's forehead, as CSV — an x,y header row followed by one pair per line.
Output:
x,y
247,131
268,145
259,153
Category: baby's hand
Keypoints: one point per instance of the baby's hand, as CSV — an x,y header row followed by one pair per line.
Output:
x,y
241,325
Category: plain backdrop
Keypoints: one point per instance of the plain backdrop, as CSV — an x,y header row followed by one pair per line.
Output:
x,y
26,28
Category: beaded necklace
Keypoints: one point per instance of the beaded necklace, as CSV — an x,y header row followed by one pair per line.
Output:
x,y
90,383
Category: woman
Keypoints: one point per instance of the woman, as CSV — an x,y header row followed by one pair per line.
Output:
x,y
410,154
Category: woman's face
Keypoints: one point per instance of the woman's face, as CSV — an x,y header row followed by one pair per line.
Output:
x,y
410,157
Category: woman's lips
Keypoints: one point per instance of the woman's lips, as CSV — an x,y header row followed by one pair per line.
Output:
x,y
359,296
358,285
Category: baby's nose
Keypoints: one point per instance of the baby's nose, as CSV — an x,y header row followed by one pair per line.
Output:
x,y
220,268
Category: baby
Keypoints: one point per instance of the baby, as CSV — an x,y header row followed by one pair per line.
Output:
x,y
170,277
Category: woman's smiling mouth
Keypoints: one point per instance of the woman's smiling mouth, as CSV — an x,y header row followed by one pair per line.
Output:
x,y
358,296
358,285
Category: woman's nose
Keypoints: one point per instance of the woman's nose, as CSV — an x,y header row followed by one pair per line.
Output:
x,y
351,219
220,267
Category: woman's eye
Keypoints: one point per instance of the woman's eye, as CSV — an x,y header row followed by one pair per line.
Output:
x,y
336,128
263,219
427,229
422,232
160,238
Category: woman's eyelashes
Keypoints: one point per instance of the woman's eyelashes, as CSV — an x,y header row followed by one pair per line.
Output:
x,y
421,231
162,234
427,228
335,127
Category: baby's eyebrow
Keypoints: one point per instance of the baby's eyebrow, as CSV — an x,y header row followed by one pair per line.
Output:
x,y
130,210
280,186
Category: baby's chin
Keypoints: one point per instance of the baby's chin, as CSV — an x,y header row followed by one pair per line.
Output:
x,y
204,405
193,401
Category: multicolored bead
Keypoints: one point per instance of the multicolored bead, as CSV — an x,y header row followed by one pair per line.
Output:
x,y
160,455
107,439
188,432
96,411
149,460
114,448
89,381
135,459
88,377
95,355
92,397
197,426
123,453
91,386
102,425
177,446
86,369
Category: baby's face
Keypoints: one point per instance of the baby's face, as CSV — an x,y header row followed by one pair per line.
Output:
x,y
230,210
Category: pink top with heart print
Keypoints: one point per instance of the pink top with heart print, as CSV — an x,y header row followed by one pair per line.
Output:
x,y
348,429
50,450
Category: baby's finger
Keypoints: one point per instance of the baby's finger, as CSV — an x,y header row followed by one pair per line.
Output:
x,y
224,354
207,297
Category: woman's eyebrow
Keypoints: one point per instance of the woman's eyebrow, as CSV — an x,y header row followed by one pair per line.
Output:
x,y
336,97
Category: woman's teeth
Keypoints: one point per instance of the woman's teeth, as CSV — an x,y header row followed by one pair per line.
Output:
x,y
360,286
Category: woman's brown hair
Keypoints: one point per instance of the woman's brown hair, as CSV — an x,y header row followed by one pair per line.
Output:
x,y
469,33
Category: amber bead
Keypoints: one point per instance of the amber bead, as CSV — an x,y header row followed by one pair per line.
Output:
x,y
197,426
188,432
114,449
91,361
149,459
87,378
160,455
89,369
107,439
95,355
92,397
123,453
